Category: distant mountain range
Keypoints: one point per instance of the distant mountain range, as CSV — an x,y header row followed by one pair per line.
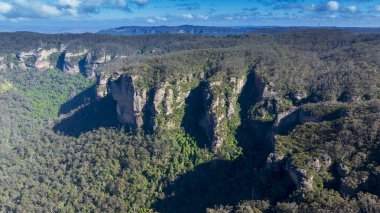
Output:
x,y
218,31
185,29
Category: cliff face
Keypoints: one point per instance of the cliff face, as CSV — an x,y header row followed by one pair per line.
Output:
x,y
36,59
83,61
42,58
140,105
301,177
93,60
162,106
130,100
71,61
220,102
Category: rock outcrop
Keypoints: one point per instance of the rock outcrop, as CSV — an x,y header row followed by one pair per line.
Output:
x,y
93,61
130,100
102,86
68,61
136,98
42,59
301,177
3,65
71,61
213,119
39,59
220,99
163,106
26,59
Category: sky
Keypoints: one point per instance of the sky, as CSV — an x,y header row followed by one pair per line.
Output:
x,y
59,16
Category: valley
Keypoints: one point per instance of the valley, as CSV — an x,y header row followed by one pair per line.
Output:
x,y
187,123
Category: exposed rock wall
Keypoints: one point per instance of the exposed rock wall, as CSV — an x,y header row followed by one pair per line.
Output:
x,y
26,59
93,61
212,122
220,99
163,106
43,62
3,65
130,100
102,86
301,177
72,61
38,59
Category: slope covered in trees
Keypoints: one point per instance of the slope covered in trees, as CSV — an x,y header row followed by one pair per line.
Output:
x,y
180,123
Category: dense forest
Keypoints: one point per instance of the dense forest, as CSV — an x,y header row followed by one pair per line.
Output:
x,y
285,122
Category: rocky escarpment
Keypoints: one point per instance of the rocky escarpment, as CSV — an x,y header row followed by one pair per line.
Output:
x,y
310,170
39,59
85,61
143,106
220,102
130,100
69,61
162,105
93,60
301,177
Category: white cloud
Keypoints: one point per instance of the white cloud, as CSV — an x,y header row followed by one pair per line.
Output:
x,y
159,18
72,11
150,20
15,20
140,2
333,5
203,17
5,7
69,3
121,3
377,8
14,9
352,9
187,16
48,10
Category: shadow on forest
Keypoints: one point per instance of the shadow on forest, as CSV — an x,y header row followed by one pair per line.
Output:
x,y
221,182
148,115
92,114
252,136
82,98
61,62
195,108
214,183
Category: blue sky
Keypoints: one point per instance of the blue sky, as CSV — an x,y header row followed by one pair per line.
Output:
x,y
91,15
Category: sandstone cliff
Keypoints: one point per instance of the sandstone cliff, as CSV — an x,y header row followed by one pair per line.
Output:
x,y
70,61
130,100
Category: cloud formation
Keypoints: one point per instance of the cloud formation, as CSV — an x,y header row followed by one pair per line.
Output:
x,y
173,12
187,16
333,5
140,2
5,7
189,6
29,9
352,9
